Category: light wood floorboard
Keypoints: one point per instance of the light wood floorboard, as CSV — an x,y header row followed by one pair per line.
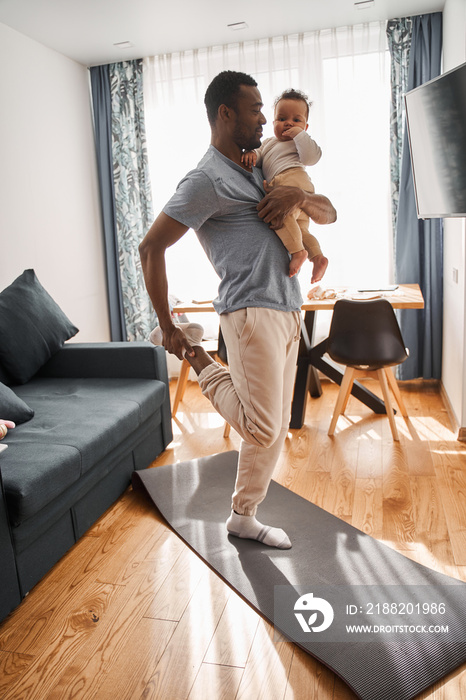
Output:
x,y
130,613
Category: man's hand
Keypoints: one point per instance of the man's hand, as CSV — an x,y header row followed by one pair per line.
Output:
x,y
282,200
175,342
278,203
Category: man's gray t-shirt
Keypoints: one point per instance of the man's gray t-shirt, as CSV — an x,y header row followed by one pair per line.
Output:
x,y
218,200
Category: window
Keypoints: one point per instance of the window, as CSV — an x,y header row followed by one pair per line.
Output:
x,y
345,72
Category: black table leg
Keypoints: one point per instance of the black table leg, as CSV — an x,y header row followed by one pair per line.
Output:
x,y
310,359
307,378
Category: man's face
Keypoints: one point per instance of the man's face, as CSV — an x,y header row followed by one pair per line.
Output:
x,y
247,130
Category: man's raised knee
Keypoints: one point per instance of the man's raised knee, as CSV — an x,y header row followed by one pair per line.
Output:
x,y
262,436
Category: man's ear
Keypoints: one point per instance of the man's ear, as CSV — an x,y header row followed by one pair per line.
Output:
x,y
224,113
306,127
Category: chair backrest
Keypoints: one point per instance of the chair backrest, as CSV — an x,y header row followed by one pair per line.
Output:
x,y
365,333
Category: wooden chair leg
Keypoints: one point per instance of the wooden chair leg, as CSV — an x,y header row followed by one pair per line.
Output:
x,y
388,404
342,400
181,385
396,391
348,393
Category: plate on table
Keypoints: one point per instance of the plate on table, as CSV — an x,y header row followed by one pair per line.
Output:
x,y
365,296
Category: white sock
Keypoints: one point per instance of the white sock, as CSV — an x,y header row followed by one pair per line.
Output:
x,y
247,527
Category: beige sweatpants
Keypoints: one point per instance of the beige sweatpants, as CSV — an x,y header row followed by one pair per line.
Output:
x,y
254,393
295,233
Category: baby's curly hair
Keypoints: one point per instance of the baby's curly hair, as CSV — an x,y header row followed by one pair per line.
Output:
x,y
292,94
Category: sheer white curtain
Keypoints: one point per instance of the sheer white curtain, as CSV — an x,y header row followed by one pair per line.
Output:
x,y
345,72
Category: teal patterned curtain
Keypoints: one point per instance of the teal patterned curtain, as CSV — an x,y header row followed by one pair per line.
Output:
x,y
419,244
133,199
102,112
399,33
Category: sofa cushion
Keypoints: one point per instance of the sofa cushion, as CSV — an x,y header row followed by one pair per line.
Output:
x,y
32,327
5,378
34,475
84,418
12,407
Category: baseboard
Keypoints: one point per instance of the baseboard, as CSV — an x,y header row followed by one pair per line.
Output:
x,y
461,436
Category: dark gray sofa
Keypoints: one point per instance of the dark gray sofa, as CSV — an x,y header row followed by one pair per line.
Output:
x,y
101,411
87,415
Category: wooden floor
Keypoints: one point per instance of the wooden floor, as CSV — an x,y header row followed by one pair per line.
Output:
x,y
131,613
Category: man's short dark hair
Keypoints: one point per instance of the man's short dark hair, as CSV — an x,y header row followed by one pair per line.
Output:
x,y
224,90
293,94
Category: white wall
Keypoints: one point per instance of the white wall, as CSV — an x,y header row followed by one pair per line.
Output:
x,y
49,203
454,329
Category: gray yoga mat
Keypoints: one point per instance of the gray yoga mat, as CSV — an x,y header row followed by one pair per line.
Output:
x,y
408,621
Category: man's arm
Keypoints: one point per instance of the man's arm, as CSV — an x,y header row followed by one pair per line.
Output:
x,y
281,201
163,233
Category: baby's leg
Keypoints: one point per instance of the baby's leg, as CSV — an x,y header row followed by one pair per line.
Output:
x,y
319,266
296,262
314,253
290,236
297,222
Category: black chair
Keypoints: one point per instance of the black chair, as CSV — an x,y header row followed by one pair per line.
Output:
x,y
365,336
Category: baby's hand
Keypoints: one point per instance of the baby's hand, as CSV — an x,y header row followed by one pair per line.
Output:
x,y
249,158
292,131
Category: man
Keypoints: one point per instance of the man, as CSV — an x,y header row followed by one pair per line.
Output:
x,y
259,305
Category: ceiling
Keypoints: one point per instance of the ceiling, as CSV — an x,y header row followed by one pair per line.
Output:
x,y
87,30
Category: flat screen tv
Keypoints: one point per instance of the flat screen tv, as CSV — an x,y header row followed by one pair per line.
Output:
x,y
436,119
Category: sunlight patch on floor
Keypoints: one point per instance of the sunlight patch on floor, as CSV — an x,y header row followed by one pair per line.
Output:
x,y
188,422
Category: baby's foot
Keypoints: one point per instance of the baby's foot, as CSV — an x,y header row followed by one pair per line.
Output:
x,y
7,423
247,527
320,264
296,262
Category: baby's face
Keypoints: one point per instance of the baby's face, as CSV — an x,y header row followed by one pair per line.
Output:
x,y
289,114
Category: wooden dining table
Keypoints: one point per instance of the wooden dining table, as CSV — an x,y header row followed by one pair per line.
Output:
x,y
311,358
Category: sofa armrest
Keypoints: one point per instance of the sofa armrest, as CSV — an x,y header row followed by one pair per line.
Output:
x,y
10,595
128,360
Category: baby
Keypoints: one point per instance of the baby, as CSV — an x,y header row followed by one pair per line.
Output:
x,y
283,159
